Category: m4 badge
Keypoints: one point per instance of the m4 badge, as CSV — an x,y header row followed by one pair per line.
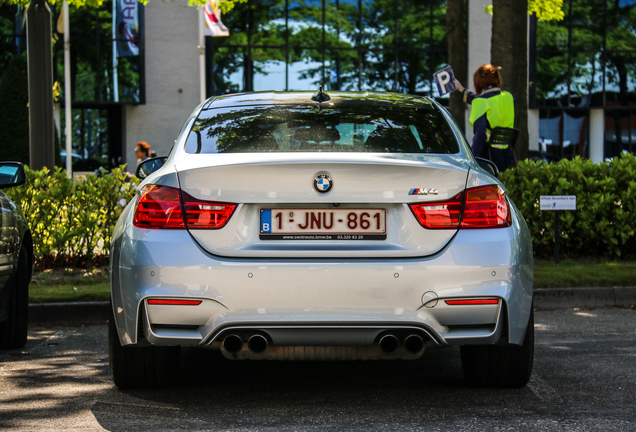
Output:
x,y
423,191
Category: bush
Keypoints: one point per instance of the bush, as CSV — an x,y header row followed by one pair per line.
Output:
x,y
72,220
605,218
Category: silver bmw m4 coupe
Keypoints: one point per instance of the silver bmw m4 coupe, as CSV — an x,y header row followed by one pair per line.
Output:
x,y
321,226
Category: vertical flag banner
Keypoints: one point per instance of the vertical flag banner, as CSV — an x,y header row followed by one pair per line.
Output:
x,y
127,28
444,80
213,25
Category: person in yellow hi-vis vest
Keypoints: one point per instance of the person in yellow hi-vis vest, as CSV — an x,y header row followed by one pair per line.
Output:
x,y
491,107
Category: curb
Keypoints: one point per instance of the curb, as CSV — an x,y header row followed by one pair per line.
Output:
x,y
544,299
72,312
588,297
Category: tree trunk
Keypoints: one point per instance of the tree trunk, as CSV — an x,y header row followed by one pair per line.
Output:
x,y
509,49
456,36
40,71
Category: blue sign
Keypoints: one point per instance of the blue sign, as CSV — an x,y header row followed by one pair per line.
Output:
x,y
444,80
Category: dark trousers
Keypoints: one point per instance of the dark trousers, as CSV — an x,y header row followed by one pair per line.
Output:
x,y
502,158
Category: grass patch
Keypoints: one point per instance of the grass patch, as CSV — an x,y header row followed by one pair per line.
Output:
x,y
40,293
70,285
584,273
81,285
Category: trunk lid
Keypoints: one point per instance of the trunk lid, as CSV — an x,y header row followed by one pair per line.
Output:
x,y
281,185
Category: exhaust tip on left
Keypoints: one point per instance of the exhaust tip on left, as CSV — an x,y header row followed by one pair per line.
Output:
x,y
233,343
389,344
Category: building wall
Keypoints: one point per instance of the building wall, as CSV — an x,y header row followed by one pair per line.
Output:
x,y
479,33
172,77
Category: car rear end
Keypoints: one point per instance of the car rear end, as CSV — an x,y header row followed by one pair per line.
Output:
x,y
356,228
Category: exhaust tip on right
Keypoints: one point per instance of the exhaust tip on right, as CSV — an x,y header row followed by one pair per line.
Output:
x,y
389,344
414,343
257,344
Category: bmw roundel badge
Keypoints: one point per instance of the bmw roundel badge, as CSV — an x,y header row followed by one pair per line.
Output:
x,y
323,183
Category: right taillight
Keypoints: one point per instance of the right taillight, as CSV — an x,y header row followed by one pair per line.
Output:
x,y
440,214
163,207
479,207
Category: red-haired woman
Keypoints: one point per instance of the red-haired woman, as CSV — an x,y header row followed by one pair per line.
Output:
x,y
491,107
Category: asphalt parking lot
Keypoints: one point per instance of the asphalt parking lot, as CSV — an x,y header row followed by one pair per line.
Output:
x,y
584,380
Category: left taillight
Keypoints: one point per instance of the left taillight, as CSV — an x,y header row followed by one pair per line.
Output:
x,y
163,207
159,207
479,207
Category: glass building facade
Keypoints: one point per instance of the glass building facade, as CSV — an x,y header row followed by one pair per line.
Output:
x,y
580,66
351,45
587,61
105,74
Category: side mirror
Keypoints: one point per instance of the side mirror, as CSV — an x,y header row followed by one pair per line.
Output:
x,y
149,166
11,174
488,166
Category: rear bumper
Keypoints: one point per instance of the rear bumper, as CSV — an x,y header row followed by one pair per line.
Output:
x,y
336,302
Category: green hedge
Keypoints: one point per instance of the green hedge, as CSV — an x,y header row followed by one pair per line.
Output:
x,y
605,218
72,220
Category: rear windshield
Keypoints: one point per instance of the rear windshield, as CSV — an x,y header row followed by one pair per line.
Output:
x,y
350,128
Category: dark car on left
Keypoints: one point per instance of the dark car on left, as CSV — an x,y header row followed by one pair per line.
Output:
x,y
16,261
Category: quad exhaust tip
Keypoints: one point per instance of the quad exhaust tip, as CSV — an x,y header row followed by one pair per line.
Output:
x,y
257,344
233,343
389,344
414,343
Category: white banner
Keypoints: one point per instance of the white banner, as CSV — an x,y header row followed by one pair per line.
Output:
x,y
127,28
212,15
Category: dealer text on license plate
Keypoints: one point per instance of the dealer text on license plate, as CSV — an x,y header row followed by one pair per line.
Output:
x,y
323,224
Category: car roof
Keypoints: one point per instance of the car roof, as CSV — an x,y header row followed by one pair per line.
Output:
x,y
305,98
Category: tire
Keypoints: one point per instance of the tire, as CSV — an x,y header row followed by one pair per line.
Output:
x,y
500,365
13,331
135,367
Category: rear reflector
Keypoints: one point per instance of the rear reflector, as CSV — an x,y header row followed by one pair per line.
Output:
x,y
173,302
162,207
479,207
472,302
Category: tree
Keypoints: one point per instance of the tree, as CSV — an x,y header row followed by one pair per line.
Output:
x,y
509,49
456,34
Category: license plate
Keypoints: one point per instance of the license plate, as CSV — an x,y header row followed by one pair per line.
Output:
x,y
323,224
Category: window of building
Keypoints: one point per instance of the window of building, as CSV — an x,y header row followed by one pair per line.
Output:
x,y
106,54
588,60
